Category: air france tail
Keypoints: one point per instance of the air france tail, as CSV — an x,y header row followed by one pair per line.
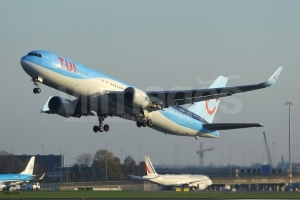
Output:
x,y
207,109
149,167
29,167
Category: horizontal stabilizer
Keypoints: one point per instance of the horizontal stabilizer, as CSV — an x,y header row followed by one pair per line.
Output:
x,y
136,177
144,177
227,126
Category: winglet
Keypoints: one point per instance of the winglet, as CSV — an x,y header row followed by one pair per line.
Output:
x,y
42,176
273,78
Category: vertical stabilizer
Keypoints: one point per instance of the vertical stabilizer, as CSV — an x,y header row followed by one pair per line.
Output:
x,y
149,167
29,167
207,109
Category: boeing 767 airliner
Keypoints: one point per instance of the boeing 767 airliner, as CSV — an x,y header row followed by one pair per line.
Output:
x,y
101,95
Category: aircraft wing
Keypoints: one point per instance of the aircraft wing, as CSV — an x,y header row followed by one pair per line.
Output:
x,y
136,177
226,126
180,97
165,99
144,177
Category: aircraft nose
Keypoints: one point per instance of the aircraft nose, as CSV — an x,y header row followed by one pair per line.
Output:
x,y
23,62
27,65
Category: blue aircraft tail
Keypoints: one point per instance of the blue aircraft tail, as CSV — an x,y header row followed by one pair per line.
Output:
x,y
207,109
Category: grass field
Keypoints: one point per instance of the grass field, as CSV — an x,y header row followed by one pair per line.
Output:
x,y
153,194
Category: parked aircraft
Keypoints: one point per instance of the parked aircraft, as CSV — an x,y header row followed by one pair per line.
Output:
x,y
293,187
15,179
194,182
97,94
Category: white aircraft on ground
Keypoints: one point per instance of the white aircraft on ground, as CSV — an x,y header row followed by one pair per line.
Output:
x,y
101,95
194,182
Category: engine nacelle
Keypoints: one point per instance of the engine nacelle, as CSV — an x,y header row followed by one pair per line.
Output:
x,y
198,186
62,106
136,97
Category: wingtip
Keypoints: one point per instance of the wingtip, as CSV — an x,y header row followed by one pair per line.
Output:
x,y
273,78
260,125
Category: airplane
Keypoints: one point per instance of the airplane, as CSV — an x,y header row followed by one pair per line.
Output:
x,y
97,94
293,187
194,182
15,179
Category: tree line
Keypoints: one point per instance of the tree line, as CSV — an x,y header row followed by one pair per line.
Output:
x,y
103,166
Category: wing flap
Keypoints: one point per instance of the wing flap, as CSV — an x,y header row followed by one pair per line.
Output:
x,y
227,126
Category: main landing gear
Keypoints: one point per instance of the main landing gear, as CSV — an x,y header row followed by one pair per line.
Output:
x,y
102,127
144,123
37,89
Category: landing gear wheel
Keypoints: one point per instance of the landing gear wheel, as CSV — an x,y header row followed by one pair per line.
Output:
x,y
138,124
36,83
144,123
36,90
95,129
101,128
106,128
149,122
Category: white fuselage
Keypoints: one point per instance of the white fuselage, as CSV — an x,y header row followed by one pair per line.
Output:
x,y
179,180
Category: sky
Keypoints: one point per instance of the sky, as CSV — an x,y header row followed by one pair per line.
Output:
x,y
155,44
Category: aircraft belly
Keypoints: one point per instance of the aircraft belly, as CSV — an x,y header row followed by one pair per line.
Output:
x,y
165,125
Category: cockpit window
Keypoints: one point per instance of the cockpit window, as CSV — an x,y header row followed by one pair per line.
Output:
x,y
34,54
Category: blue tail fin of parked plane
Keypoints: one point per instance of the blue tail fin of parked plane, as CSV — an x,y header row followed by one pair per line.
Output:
x,y
207,109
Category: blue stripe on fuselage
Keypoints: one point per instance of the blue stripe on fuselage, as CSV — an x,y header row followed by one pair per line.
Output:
x,y
15,177
52,62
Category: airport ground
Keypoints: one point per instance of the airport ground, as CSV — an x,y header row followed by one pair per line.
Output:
x,y
149,195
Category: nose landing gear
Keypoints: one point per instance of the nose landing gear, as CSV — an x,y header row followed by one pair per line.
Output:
x,y
36,81
36,90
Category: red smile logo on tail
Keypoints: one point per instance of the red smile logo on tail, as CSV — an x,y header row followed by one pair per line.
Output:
x,y
210,111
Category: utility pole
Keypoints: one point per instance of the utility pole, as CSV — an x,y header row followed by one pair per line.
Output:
x,y
140,160
159,148
274,154
297,153
60,167
175,154
121,153
290,156
230,160
106,159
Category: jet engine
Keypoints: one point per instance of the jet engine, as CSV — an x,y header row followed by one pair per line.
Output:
x,y
198,186
136,97
62,106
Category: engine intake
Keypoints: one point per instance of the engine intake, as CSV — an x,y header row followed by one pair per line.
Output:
x,y
62,106
136,97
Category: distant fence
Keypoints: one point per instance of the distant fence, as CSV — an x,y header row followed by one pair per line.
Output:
x,y
102,186
50,186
